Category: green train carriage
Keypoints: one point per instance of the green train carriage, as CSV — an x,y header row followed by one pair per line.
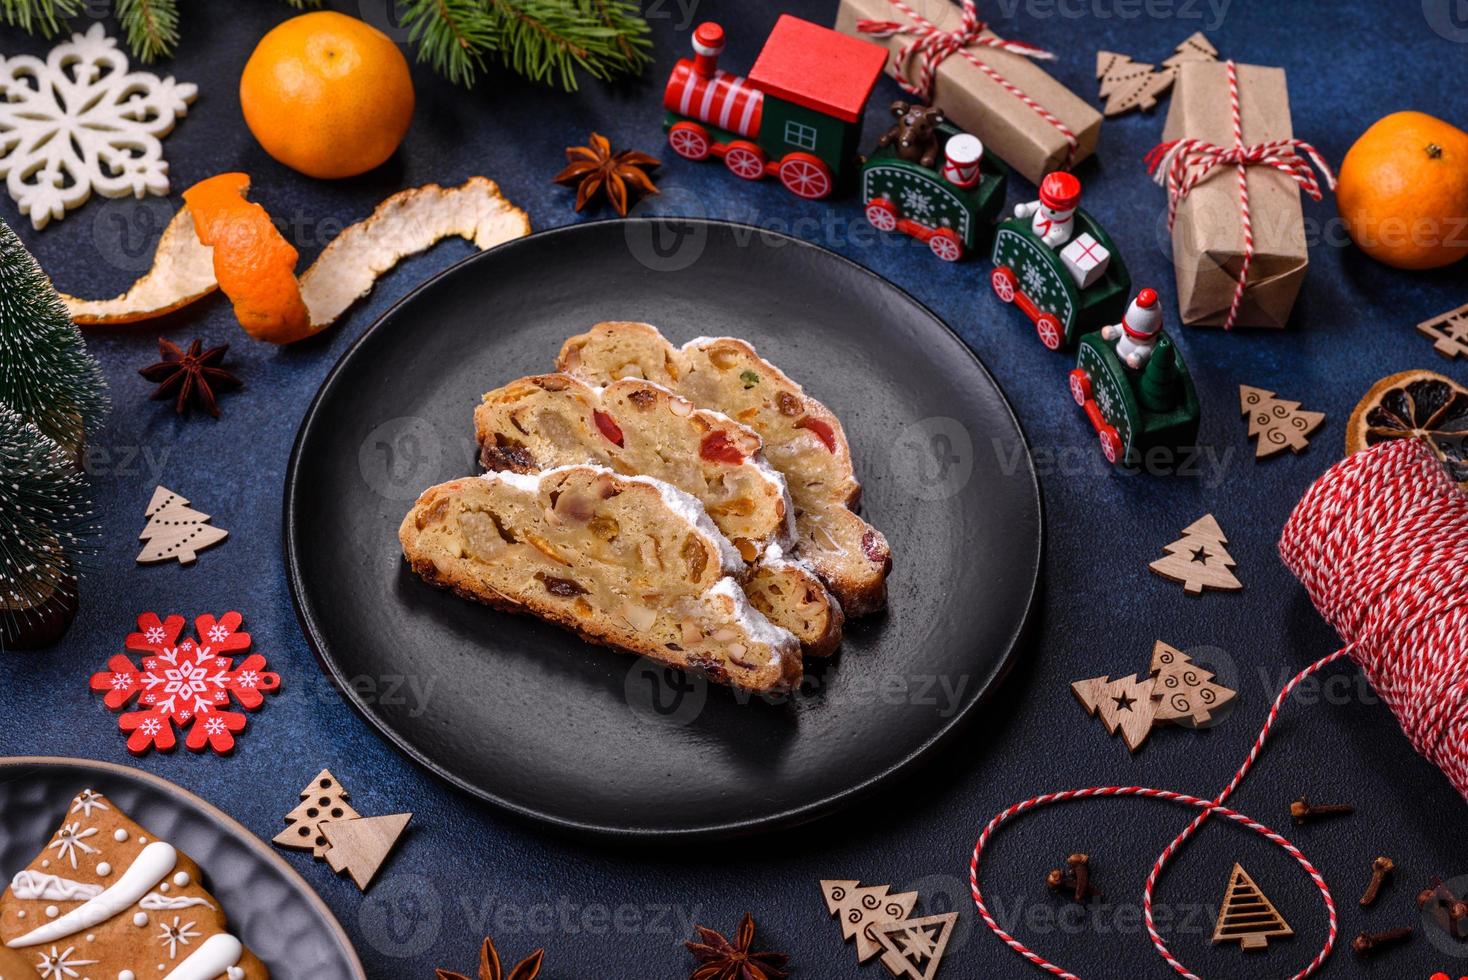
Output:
x,y
1032,276
953,220
1135,411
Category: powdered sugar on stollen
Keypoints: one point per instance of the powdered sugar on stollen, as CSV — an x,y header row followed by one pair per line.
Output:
x,y
782,642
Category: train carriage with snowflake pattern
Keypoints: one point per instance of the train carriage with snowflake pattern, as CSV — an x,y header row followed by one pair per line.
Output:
x,y
950,207
796,117
1065,291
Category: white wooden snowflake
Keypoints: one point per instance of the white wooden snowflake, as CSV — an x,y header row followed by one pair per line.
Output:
x,y
80,122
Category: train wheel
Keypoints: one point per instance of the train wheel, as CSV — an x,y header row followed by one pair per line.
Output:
x,y
1004,283
882,214
1047,325
805,175
745,160
1110,443
946,244
689,140
1080,386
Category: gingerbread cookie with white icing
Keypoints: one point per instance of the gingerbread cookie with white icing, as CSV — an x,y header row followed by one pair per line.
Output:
x,y
106,900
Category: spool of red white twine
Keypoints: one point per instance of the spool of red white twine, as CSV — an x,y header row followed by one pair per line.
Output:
x,y
1380,543
1179,165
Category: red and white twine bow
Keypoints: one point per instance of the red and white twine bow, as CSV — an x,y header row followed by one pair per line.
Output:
x,y
1380,543
1180,165
931,46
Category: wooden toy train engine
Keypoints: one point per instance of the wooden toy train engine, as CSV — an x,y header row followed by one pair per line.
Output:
x,y
796,117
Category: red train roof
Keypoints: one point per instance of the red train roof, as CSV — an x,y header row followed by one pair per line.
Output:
x,y
818,68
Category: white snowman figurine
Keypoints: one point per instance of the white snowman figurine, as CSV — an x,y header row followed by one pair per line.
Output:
x,y
1136,335
1052,217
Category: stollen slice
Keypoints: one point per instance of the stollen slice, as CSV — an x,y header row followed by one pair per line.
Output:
x,y
803,439
625,561
637,427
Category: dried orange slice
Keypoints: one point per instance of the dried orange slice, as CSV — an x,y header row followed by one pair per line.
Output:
x,y
255,265
1415,405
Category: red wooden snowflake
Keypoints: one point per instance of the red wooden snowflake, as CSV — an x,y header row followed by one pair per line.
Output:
x,y
188,683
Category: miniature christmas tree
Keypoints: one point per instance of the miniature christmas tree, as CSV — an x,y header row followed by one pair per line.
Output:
x,y
1198,559
860,909
323,801
914,947
46,374
43,514
1158,388
1195,48
175,530
1123,705
1184,692
1276,422
1246,916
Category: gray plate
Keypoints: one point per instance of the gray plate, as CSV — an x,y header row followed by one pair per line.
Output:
x,y
270,907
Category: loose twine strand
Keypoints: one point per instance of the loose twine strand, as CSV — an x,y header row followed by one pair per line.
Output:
x,y
1380,543
1180,165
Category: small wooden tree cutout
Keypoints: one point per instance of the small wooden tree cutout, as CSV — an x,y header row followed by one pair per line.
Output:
x,y
1449,332
860,909
1128,84
1198,559
360,846
1125,84
1124,705
175,530
1277,423
323,801
914,947
1185,693
1246,916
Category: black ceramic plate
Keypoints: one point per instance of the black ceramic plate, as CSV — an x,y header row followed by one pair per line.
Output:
x,y
530,717
270,907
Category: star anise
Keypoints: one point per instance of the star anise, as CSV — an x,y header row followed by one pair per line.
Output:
x,y
719,959
190,376
489,966
596,171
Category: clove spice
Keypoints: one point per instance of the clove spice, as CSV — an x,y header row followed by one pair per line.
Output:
x,y
1303,811
1075,877
1373,942
1381,869
1445,907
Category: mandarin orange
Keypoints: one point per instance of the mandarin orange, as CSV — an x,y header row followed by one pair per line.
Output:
x,y
327,94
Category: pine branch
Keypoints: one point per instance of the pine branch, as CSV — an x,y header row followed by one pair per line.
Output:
x,y
44,17
304,4
451,35
546,40
151,26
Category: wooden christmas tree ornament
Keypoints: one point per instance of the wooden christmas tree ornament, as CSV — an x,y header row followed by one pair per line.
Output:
x,y
360,846
862,909
1185,693
1277,423
1448,331
323,801
1246,916
1198,559
915,947
175,530
1123,705
1128,84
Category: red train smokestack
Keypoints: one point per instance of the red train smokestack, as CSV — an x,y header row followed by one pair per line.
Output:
x,y
708,44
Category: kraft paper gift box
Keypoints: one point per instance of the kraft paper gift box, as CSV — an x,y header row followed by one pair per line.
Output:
x,y
1208,233
972,100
